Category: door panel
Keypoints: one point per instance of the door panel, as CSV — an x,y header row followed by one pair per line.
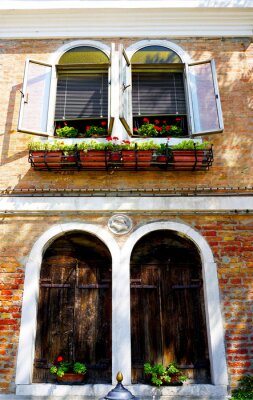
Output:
x,y
167,309
74,312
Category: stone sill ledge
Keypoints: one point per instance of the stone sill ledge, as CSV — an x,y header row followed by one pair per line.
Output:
x,y
200,391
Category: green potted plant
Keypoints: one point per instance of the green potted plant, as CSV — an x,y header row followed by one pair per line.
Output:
x,y
66,131
95,131
68,372
92,154
159,128
244,390
145,151
190,154
44,155
159,375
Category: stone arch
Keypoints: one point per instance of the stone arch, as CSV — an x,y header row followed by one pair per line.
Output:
x,y
31,291
211,293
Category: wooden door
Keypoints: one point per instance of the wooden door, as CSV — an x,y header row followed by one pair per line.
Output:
x,y
167,312
74,314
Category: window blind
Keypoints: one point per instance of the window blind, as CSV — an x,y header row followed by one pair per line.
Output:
x,y
82,96
158,93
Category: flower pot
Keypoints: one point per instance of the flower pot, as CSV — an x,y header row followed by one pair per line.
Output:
x,y
70,378
114,158
144,158
187,159
53,159
129,158
93,159
43,159
37,159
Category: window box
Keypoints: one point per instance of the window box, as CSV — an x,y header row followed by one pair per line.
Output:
x,y
187,156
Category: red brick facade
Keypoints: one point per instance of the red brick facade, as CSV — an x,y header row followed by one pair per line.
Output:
x,y
230,236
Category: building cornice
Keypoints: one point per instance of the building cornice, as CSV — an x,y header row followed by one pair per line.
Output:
x,y
160,205
141,19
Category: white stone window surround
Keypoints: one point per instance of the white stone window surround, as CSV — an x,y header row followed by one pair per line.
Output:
x,y
121,332
54,59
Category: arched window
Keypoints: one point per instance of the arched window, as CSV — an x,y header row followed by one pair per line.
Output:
x,y
82,92
163,93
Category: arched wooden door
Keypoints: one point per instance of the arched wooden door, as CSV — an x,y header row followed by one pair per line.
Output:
x,y
167,306
74,310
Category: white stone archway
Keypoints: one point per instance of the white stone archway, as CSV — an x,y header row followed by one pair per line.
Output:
x,y
211,293
27,336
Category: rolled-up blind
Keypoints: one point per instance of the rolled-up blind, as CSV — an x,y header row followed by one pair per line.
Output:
x,y
158,93
82,96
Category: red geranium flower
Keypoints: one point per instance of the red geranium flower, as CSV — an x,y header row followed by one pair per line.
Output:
x,y
103,123
60,358
158,128
135,129
109,138
168,138
126,141
146,120
87,128
167,127
115,138
157,121
178,119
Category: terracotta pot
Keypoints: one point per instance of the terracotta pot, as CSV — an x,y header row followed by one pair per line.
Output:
x,y
129,158
144,158
37,159
187,159
43,159
70,378
115,157
53,159
93,159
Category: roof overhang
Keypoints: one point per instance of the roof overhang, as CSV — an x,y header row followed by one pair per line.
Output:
x,y
126,18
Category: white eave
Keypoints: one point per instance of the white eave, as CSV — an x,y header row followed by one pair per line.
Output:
x,y
128,18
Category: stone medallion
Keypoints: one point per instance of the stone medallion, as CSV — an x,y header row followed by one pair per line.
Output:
x,y
120,224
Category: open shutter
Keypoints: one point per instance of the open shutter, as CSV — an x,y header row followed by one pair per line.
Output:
x,y
204,99
33,116
111,114
125,111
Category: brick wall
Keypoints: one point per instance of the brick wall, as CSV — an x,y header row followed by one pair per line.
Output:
x,y
230,238
233,150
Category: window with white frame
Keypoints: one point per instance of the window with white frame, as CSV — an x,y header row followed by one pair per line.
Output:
x,y
82,92
162,96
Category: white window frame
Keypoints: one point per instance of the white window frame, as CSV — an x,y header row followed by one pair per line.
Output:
x,y
191,104
53,61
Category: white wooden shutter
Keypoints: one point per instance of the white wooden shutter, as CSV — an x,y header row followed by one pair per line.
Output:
x,y
33,115
125,101
111,77
204,99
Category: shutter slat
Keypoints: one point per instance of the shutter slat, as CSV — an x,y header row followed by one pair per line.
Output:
x,y
158,93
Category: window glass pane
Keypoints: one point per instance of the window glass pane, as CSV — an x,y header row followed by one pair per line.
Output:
x,y
158,93
36,100
155,55
84,96
203,96
84,55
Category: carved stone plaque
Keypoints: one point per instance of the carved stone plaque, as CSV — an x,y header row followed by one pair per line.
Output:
x,y
120,224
